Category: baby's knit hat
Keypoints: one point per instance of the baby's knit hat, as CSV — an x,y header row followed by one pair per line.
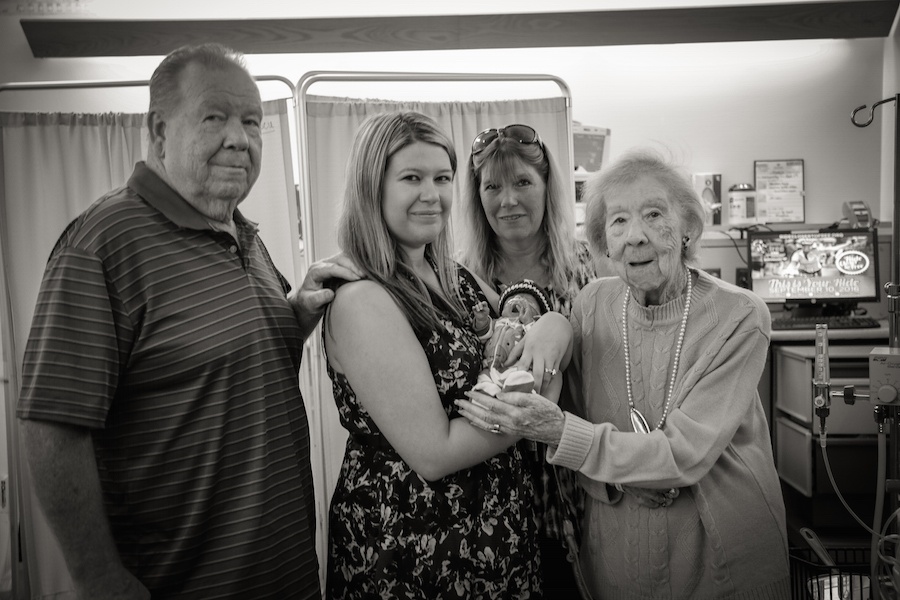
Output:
x,y
526,286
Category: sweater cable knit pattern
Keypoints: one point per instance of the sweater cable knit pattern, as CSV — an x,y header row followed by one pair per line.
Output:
x,y
725,535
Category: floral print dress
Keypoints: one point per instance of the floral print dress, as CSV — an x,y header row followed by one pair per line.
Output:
x,y
393,534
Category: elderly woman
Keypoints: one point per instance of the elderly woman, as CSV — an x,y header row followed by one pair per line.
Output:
x,y
520,226
666,431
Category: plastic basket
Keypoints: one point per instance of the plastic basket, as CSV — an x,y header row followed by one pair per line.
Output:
x,y
847,580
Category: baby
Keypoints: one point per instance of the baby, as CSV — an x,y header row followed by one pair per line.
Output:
x,y
521,304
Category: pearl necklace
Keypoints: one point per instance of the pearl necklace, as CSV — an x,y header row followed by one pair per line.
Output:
x,y
638,422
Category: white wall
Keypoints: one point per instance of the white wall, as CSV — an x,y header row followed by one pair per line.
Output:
x,y
717,107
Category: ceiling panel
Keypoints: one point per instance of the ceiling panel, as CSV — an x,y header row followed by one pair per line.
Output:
x,y
49,37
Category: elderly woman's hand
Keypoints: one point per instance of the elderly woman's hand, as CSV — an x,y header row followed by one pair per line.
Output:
x,y
521,414
651,498
545,349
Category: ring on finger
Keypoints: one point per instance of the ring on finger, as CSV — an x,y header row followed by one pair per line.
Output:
x,y
495,428
550,372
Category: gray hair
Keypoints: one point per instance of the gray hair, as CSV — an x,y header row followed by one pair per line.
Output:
x,y
165,89
629,168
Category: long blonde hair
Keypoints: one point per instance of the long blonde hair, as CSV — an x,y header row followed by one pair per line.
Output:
x,y
481,251
363,233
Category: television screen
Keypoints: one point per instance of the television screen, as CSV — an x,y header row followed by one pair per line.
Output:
x,y
827,265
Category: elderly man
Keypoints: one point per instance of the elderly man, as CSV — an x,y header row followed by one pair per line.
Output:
x,y
160,410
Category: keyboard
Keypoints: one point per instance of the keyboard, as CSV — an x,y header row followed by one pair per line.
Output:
x,y
834,322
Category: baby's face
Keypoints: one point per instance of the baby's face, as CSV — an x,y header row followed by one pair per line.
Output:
x,y
522,307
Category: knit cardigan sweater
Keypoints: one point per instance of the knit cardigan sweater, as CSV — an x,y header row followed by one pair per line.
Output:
x,y
725,535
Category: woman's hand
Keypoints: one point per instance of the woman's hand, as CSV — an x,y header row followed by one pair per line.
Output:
x,y
521,414
651,498
545,349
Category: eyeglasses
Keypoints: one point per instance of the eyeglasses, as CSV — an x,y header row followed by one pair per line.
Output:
x,y
520,133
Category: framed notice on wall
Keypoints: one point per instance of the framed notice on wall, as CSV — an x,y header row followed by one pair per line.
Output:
x,y
780,197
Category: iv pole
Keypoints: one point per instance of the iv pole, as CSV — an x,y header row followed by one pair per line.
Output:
x,y
892,289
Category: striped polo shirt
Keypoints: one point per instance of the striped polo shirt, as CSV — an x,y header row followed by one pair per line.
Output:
x,y
178,349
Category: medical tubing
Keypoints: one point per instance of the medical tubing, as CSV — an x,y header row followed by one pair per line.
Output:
x,y
874,581
835,486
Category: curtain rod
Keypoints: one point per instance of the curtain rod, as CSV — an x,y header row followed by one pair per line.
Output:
x,y
313,77
27,86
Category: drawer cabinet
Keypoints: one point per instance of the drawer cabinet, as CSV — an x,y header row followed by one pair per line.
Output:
x,y
853,460
851,428
793,389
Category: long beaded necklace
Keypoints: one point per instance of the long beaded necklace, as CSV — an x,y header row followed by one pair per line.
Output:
x,y
638,422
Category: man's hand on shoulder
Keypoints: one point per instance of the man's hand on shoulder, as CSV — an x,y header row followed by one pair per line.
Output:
x,y
317,290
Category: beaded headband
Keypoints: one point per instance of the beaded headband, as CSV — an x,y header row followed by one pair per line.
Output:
x,y
527,286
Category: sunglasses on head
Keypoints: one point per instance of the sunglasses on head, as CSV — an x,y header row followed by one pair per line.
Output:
x,y
520,133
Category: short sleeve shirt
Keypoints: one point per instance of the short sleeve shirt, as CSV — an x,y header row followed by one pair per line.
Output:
x,y
175,345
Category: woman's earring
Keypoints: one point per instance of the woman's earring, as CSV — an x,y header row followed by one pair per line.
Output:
x,y
607,254
684,242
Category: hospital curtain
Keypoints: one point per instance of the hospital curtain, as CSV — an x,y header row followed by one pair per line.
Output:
x,y
272,202
331,124
52,167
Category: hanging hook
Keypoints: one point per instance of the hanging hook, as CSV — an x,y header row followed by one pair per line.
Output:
x,y
871,112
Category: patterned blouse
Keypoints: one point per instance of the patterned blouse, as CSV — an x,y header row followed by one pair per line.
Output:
x,y
392,534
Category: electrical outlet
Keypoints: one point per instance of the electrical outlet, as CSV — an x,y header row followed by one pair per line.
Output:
x,y
742,277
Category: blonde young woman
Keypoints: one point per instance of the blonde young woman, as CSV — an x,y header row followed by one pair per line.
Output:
x,y
426,506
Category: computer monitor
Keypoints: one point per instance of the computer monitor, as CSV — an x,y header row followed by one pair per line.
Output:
x,y
823,271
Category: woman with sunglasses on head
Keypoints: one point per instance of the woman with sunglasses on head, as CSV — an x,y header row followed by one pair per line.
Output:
x,y
426,506
666,429
520,225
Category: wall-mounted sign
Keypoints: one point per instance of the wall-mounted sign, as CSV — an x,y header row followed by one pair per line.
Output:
x,y
780,196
